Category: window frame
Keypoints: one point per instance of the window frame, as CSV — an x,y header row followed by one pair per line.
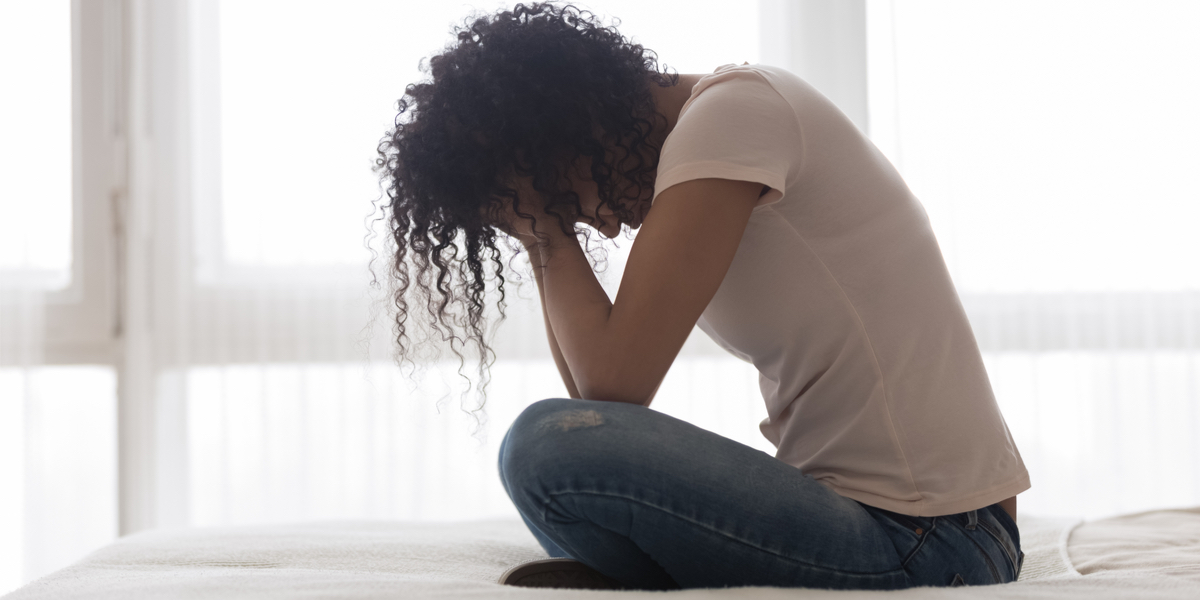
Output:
x,y
81,324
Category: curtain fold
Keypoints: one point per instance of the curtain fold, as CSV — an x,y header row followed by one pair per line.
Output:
x,y
20,353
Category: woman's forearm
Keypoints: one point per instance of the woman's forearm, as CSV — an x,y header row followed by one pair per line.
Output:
x,y
578,309
535,259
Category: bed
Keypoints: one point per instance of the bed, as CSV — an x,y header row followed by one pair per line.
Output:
x,y
1153,554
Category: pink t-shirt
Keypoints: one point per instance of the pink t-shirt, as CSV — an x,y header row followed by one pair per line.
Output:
x,y
839,295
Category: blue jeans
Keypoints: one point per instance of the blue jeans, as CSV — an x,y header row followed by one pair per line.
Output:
x,y
658,503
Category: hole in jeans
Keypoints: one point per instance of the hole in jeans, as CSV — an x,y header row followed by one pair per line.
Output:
x,y
572,419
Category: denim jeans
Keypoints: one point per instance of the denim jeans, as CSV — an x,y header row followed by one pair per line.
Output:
x,y
658,503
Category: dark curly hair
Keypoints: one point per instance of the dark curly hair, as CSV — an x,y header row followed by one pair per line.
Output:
x,y
521,93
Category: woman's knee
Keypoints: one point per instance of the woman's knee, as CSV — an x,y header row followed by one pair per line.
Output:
x,y
555,414
535,434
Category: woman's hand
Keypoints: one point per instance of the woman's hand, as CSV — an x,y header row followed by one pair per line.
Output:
x,y
516,228
542,230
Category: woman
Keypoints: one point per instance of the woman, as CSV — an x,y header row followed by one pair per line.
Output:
x,y
767,220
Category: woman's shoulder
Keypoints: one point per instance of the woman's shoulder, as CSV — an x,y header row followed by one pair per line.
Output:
x,y
732,89
737,126
765,80
751,78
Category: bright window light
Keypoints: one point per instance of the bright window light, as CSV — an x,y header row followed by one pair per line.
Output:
x,y
307,92
58,467
1052,143
35,136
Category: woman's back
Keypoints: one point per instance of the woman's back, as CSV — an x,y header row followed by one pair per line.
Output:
x,y
839,295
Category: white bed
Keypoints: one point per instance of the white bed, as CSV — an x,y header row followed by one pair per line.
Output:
x,y
1145,555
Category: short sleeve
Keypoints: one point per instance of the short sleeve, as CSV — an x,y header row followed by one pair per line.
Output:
x,y
735,125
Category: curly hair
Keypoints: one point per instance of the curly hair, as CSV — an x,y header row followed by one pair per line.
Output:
x,y
521,93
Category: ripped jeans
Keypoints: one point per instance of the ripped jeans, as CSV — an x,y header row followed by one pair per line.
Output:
x,y
657,503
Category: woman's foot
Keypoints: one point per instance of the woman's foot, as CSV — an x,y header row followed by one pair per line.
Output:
x,y
559,573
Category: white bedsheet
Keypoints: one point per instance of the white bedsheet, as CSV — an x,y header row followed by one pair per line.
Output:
x,y
1160,542
463,560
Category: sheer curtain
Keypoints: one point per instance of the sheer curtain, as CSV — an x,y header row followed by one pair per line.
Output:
x,y
20,347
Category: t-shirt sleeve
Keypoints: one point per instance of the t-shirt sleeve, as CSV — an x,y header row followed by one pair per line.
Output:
x,y
737,126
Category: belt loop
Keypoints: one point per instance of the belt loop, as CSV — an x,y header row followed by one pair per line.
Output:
x,y
972,519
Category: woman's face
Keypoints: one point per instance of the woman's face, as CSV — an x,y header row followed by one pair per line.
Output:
x,y
592,213
589,200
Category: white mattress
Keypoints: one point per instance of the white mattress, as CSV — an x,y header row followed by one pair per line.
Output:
x,y
1148,555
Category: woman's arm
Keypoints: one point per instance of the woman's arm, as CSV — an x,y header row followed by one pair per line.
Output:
x,y
620,351
535,259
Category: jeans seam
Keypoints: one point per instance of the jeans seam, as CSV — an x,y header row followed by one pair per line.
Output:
x,y
712,529
1011,560
920,543
990,563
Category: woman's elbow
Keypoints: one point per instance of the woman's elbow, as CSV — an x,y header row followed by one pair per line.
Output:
x,y
616,386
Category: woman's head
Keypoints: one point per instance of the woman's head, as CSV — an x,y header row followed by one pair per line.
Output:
x,y
540,107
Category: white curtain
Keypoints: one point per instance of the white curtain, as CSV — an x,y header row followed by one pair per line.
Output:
x,y
20,347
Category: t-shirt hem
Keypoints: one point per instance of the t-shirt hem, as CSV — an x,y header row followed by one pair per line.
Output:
x,y
722,170
924,508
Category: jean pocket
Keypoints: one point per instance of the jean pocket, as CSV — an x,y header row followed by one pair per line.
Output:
x,y
947,553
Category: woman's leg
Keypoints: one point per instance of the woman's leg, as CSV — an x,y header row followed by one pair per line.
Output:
x,y
551,548
657,503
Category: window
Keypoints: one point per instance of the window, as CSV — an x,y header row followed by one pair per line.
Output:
x,y
35,149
